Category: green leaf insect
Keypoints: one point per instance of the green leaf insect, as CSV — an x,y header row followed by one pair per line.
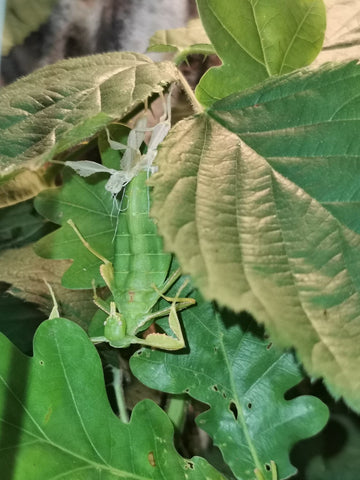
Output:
x,y
138,278
131,310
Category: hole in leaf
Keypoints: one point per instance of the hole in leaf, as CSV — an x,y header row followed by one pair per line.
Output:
x,y
215,388
42,363
233,410
249,405
269,346
224,394
190,465
267,467
187,390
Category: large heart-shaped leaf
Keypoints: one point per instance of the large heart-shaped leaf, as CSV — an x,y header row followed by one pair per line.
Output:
x,y
258,39
60,106
243,377
52,424
307,129
253,239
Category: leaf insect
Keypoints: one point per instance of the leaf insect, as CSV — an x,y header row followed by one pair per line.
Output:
x,y
138,278
130,311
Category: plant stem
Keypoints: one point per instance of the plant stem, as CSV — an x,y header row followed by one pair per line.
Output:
x,y
177,411
119,393
190,94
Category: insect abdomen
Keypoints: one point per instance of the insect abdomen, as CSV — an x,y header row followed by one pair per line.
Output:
x,y
139,257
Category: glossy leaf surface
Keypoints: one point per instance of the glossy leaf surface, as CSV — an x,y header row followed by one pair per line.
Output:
x,y
243,378
257,39
54,426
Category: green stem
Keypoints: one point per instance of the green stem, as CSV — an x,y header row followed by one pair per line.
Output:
x,y
177,411
274,474
201,49
119,394
258,474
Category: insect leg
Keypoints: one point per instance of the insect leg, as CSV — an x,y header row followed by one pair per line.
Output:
x,y
107,269
168,283
161,340
274,475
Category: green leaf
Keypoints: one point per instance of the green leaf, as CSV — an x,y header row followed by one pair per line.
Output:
x,y
54,426
307,129
253,239
243,378
257,39
182,41
23,18
345,463
59,106
91,207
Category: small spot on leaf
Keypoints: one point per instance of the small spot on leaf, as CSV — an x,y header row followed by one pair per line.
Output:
x,y
269,346
48,415
151,459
